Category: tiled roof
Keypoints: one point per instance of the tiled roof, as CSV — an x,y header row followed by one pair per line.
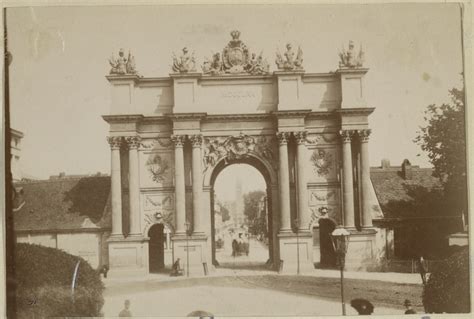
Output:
x,y
417,196
64,204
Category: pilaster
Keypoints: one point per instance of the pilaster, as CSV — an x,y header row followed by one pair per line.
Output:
x,y
180,190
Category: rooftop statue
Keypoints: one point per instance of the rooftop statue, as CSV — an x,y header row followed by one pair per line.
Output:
x,y
348,59
236,58
213,67
185,63
257,65
289,62
122,65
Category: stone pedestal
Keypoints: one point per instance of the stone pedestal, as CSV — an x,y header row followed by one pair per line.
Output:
x,y
128,256
197,248
289,246
361,252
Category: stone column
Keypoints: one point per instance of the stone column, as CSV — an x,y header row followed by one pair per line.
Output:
x,y
133,183
116,187
197,183
303,213
347,179
285,215
366,220
179,184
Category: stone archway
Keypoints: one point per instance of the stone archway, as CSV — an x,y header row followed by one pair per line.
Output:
x,y
269,176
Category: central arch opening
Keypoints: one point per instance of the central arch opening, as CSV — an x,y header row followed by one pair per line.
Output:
x,y
241,216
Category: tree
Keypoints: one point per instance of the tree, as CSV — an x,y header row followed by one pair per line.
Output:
x,y
257,224
444,140
447,289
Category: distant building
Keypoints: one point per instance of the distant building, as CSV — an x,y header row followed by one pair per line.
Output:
x,y
68,213
15,147
411,200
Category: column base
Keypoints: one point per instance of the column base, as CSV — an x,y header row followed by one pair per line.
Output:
x,y
192,250
296,251
128,256
361,251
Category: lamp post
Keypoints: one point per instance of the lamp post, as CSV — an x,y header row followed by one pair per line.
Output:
x,y
297,225
188,226
340,241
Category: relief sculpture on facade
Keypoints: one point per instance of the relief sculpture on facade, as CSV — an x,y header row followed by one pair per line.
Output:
x,y
322,161
235,147
157,167
158,209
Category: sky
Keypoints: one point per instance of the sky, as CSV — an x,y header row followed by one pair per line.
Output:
x,y
251,180
59,91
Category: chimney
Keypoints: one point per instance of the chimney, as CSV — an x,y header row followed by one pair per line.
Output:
x,y
385,163
407,172
62,175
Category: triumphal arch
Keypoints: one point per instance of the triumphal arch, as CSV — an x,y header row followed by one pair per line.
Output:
x,y
307,133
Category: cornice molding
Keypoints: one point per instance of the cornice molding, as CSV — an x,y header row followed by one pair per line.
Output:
x,y
291,113
352,71
356,111
187,116
321,115
123,78
186,75
128,118
291,72
159,119
249,116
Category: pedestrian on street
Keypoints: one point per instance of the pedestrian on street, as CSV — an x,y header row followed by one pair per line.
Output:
x,y
408,305
126,311
422,269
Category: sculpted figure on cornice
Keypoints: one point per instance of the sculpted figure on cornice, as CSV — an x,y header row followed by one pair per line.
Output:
x,y
236,58
235,147
351,59
213,67
122,65
185,63
287,61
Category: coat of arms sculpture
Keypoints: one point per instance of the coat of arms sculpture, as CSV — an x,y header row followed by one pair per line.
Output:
x,y
236,59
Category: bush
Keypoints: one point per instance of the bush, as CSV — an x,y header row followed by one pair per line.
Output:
x,y
44,278
447,289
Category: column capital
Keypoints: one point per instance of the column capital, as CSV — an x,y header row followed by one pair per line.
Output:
x,y
115,142
196,140
300,137
364,135
346,135
133,141
178,140
283,137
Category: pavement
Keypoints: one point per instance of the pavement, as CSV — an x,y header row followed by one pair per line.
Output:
x,y
226,301
253,265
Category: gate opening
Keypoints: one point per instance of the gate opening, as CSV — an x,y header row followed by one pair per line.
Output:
x,y
241,218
